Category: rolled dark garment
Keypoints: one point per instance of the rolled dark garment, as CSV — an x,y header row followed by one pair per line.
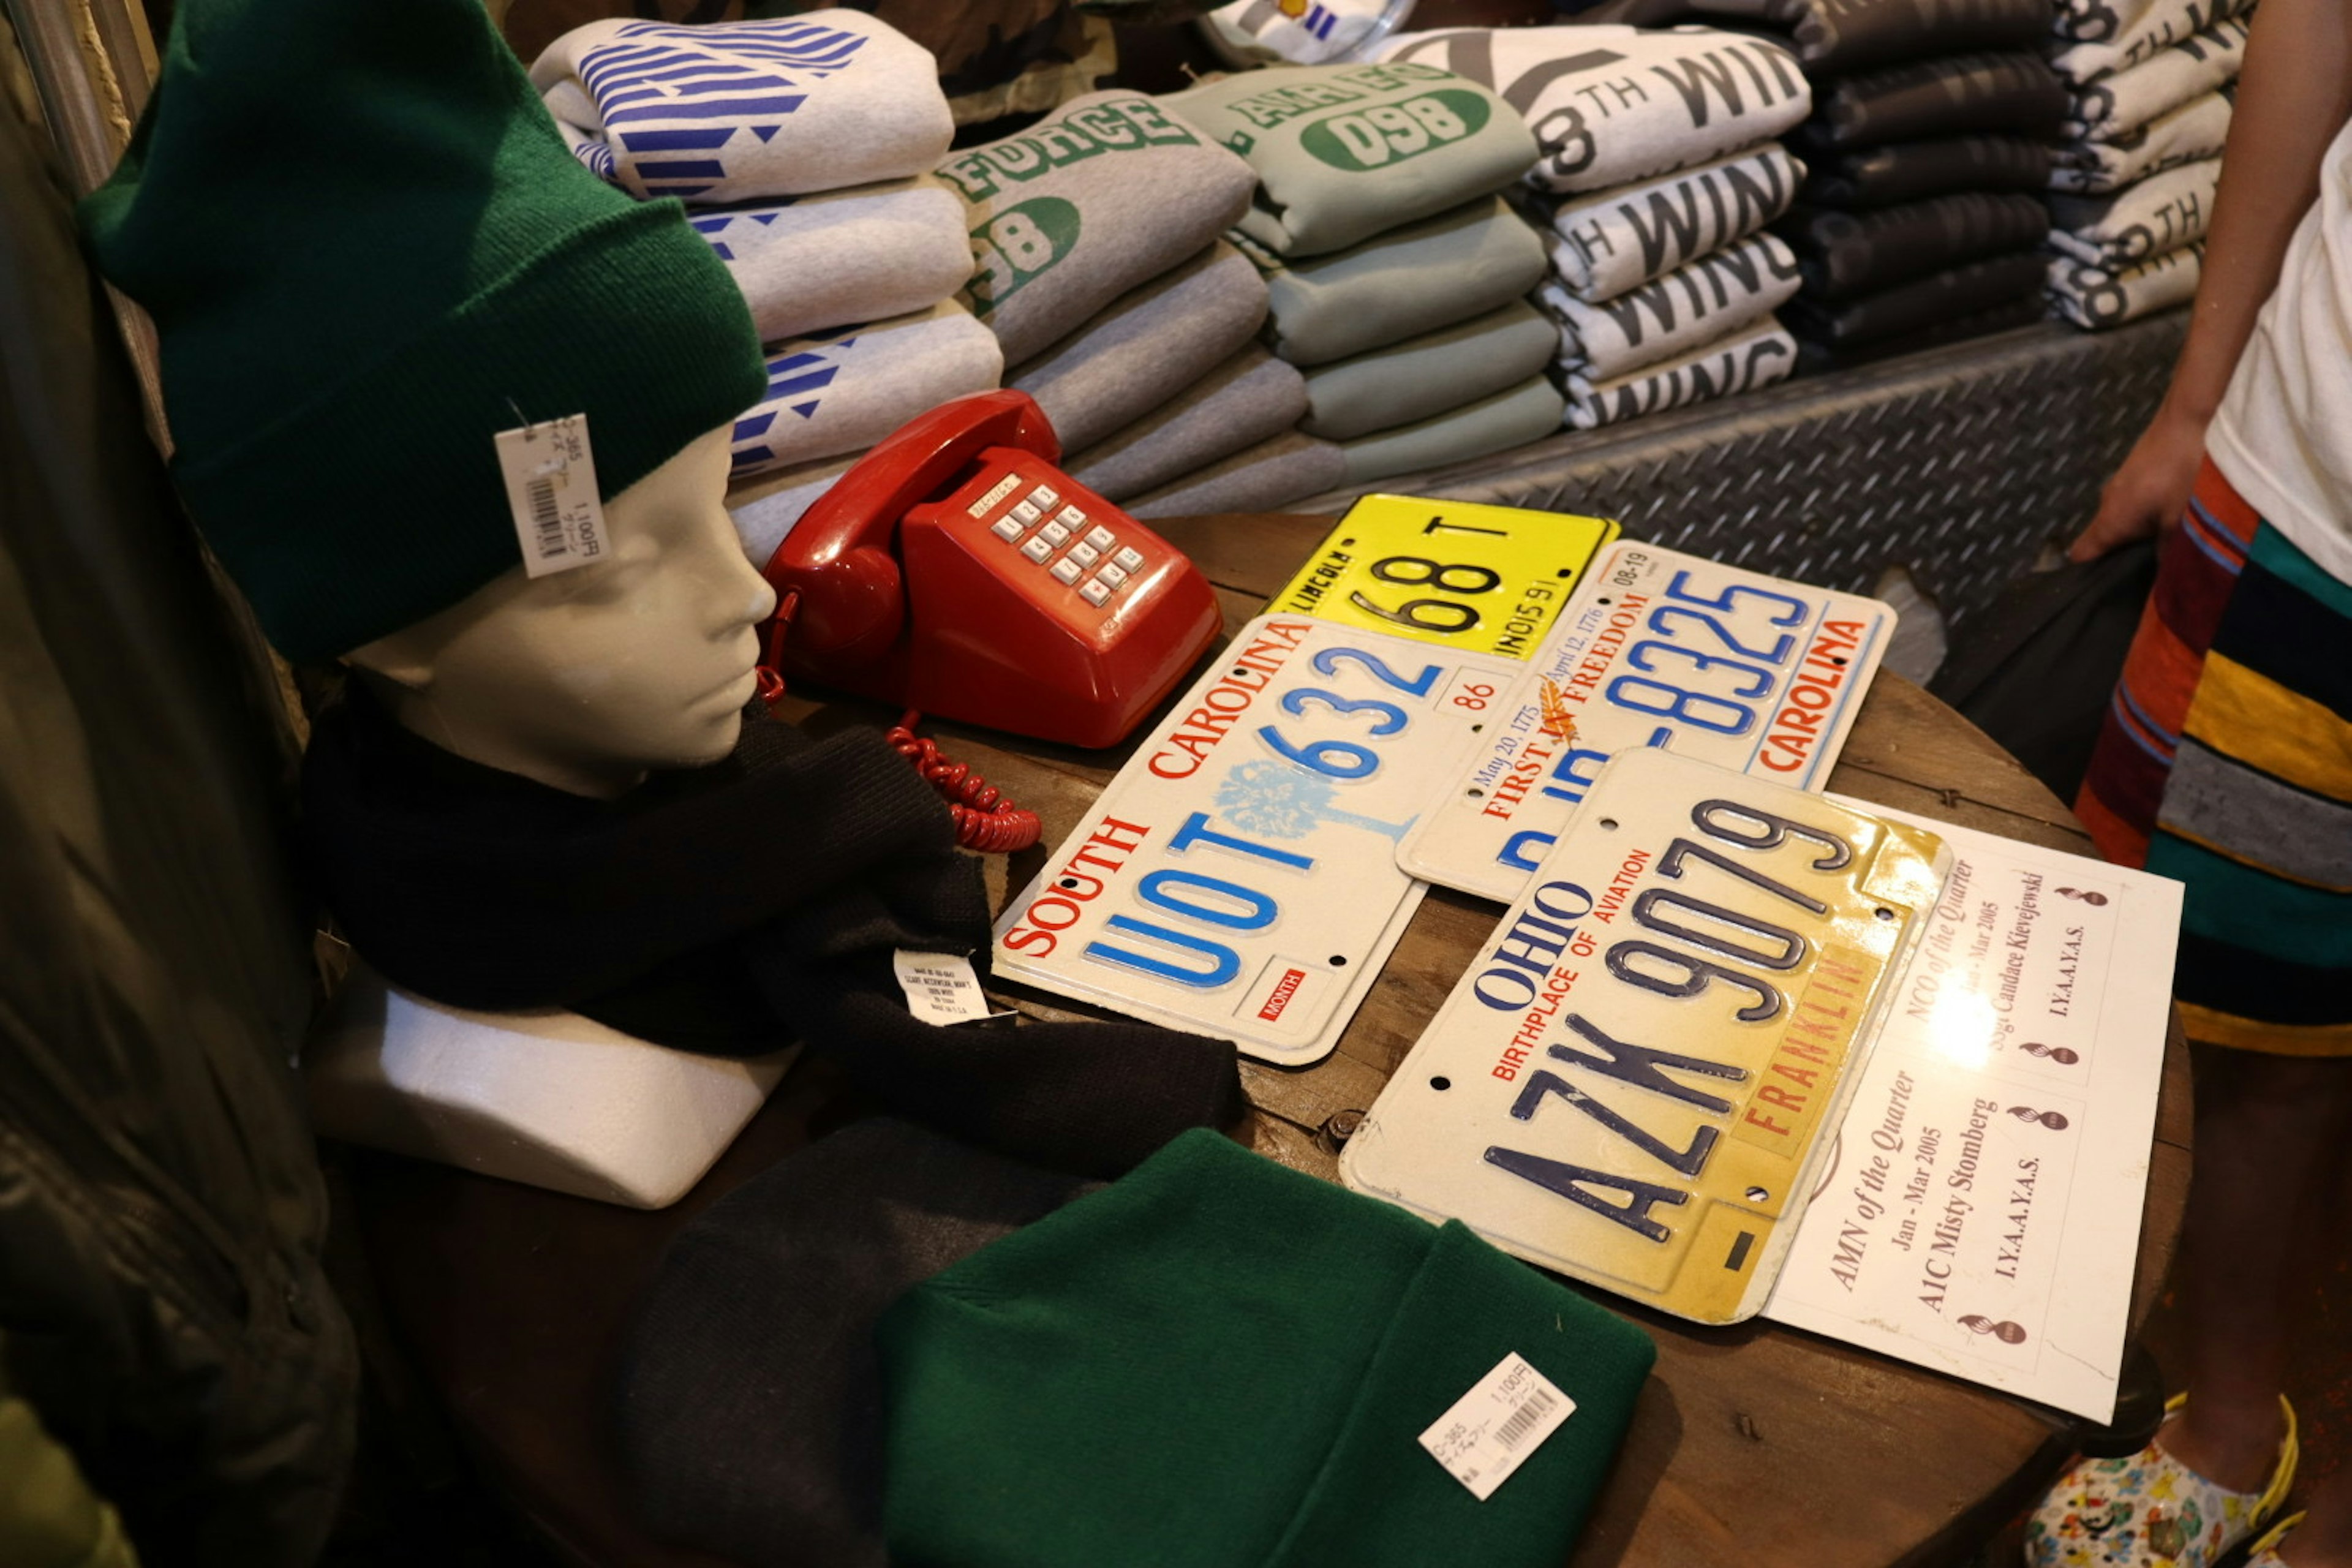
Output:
x,y
2013,94
1910,307
1837,38
1814,358
1917,171
1843,255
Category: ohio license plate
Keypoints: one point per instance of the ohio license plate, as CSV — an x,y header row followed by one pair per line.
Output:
x,y
1658,648
1490,579
1637,1079
1238,877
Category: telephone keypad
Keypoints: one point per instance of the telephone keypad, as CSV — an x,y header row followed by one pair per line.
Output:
x,y
1043,527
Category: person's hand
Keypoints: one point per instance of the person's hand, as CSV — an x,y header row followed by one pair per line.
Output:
x,y
2150,491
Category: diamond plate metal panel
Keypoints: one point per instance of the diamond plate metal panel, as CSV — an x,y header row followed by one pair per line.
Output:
x,y
1958,464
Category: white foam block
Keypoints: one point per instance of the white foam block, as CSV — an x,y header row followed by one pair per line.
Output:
x,y
550,1098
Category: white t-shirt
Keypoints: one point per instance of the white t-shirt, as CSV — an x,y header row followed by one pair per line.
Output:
x,y
2282,437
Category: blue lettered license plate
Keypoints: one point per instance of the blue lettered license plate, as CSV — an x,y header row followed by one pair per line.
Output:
x,y
1639,1076
1657,649
1238,877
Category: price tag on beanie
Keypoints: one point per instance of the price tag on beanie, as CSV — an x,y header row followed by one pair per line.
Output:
x,y
1490,1431
550,474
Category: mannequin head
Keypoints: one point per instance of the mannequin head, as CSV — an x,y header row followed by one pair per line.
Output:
x,y
587,680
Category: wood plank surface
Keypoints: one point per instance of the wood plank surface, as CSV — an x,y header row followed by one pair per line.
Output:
x,y
1756,1446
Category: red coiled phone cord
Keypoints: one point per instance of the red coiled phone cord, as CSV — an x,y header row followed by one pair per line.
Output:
x,y
984,819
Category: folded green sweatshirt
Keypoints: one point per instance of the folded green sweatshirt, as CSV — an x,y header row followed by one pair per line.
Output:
x,y
1462,263
1345,151
1429,374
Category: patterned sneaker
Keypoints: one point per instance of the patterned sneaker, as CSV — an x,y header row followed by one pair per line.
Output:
x,y
2150,1511
2265,1553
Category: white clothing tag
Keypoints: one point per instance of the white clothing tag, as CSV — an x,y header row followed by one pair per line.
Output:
x,y
551,475
940,986
1491,1430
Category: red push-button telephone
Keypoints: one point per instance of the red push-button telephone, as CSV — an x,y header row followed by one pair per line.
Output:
x,y
957,571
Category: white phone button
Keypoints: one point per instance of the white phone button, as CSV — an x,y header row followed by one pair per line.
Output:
x,y
1055,534
1129,560
1037,550
1044,497
1102,539
1006,529
1071,518
1027,513
1110,575
1085,554
1094,593
1065,571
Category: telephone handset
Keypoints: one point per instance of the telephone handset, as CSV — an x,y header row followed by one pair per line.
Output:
x,y
954,569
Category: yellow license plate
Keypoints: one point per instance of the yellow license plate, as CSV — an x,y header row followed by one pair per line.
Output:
x,y
1638,1077
1489,579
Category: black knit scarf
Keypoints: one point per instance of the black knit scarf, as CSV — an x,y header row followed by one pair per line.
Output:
x,y
732,910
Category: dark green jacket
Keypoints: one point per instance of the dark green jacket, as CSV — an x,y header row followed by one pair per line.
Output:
x,y
160,1206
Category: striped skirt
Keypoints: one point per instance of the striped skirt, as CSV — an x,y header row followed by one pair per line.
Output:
x,y
2225,761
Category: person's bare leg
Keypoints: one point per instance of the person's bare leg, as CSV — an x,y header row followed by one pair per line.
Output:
x,y
2324,1540
2267,1127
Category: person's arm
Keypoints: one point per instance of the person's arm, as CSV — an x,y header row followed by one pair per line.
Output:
x,y
2296,94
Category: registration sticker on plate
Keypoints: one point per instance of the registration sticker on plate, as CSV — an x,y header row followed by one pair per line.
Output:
x,y
1658,648
1238,877
1488,579
1637,1079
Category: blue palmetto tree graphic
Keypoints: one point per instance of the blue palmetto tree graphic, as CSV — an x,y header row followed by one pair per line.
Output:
x,y
1278,800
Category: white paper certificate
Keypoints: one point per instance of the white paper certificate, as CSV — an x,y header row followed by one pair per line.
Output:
x,y
1982,1212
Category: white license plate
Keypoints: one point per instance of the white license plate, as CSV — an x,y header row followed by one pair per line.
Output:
x,y
1657,649
1238,877
1635,1080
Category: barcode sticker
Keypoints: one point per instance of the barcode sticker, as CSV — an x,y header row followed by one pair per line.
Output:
x,y
1491,1430
550,474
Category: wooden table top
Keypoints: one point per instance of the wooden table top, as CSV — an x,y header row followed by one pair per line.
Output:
x,y
1757,1445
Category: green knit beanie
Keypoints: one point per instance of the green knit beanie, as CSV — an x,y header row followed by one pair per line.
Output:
x,y
1219,1363
367,252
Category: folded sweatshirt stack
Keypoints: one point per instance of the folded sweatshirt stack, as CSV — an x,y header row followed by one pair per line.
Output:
x,y
802,147
1394,277
2132,191
1659,170
1118,307
1919,221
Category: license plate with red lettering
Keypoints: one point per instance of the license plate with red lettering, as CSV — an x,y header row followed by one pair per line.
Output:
x,y
1238,877
1657,649
1638,1077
